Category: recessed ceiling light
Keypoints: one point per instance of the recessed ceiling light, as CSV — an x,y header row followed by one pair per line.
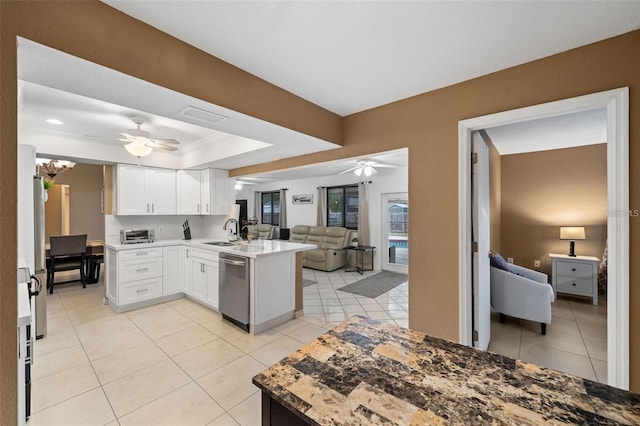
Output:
x,y
54,121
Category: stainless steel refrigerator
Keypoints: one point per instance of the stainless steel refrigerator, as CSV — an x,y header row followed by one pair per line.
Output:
x,y
40,258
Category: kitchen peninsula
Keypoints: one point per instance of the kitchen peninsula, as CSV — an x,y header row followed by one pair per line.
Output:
x,y
139,275
364,372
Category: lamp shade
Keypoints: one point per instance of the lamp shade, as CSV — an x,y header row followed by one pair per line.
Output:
x,y
572,233
138,149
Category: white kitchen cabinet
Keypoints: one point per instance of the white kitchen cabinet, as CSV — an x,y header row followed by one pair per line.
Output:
x,y
213,281
145,190
135,278
172,270
217,192
162,191
203,277
186,270
130,190
189,192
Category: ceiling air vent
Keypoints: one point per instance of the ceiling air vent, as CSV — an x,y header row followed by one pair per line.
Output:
x,y
202,115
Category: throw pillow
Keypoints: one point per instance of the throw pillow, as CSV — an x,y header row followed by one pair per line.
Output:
x,y
498,261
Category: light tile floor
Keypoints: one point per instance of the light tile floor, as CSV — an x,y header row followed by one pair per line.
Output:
x,y
175,363
575,343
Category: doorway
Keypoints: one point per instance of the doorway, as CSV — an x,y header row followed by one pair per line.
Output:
x,y
395,232
616,104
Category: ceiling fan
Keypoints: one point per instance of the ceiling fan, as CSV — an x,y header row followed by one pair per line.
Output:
x,y
140,143
366,167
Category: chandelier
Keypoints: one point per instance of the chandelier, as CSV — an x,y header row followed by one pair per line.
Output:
x,y
52,168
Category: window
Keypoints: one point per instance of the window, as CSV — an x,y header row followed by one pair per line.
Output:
x,y
342,206
271,208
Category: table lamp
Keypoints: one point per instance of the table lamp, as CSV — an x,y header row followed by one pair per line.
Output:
x,y
572,233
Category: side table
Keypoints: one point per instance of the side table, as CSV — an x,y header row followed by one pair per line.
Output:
x,y
577,275
360,252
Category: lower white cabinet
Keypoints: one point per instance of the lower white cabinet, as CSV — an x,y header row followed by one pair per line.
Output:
x,y
172,270
201,276
134,277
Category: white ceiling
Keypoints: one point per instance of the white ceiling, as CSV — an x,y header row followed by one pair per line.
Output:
x,y
563,131
96,104
349,56
344,56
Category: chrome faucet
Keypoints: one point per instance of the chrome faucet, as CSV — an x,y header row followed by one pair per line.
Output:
x,y
235,236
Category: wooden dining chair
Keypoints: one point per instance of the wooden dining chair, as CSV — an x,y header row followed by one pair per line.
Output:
x,y
67,253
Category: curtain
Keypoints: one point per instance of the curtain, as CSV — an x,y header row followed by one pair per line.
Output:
x,y
257,205
322,206
363,214
283,208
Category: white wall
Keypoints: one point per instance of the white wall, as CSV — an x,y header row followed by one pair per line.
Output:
x,y
385,181
166,227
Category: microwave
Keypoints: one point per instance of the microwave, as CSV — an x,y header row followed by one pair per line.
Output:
x,y
137,236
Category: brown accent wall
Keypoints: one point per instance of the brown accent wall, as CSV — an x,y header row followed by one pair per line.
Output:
x,y
542,191
495,194
85,187
427,124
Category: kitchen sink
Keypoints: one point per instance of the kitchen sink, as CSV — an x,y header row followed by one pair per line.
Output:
x,y
220,243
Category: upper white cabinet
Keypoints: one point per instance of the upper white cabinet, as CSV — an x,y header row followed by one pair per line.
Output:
x,y
145,190
189,192
217,191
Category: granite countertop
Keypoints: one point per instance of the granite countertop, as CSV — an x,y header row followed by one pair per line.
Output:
x,y
364,372
253,249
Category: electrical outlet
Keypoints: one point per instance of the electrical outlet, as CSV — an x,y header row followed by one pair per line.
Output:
x,y
160,228
115,231
536,263
509,259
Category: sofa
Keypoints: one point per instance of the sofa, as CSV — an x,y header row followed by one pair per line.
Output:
x,y
522,293
265,231
331,241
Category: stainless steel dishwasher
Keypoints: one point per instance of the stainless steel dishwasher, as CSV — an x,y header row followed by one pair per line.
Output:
x,y
234,289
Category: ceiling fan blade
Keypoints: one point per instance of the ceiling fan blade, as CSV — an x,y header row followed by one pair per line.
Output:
x,y
164,147
349,170
166,141
388,166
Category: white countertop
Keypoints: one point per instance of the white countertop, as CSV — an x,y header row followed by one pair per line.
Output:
x,y
253,249
24,305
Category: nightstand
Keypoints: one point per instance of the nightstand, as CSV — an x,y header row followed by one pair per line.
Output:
x,y
575,275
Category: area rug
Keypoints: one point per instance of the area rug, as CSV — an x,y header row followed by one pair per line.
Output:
x,y
306,282
375,285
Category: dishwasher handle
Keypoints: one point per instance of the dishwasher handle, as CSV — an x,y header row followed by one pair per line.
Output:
x,y
234,262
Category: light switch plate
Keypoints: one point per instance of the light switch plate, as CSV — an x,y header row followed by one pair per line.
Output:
x,y
536,263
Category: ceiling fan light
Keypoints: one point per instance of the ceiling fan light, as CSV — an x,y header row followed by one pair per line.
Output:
x,y
368,170
358,171
138,149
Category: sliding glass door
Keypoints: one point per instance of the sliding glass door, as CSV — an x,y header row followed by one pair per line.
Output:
x,y
395,232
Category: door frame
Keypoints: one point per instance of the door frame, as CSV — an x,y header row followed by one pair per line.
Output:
x,y
394,267
616,102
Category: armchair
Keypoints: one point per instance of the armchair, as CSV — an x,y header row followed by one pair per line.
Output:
x,y
522,293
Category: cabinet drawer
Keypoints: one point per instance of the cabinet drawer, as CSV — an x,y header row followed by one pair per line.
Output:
x,y
575,269
140,290
581,286
140,254
133,270
211,256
